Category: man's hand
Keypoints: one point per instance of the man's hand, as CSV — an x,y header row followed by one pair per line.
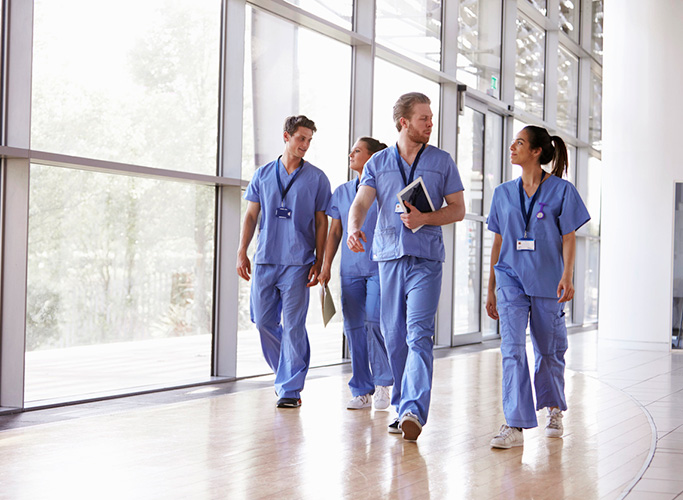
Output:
x,y
324,276
414,219
313,274
355,241
243,266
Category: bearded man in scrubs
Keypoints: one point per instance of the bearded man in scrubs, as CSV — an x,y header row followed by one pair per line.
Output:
x,y
408,245
291,196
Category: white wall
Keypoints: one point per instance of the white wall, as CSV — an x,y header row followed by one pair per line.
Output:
x,y
642,158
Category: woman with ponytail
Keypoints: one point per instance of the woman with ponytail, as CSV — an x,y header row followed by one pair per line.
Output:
x,y
534,218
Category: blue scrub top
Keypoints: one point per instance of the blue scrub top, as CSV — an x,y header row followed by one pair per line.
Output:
x,y
392,239
352,263
288,241
538,272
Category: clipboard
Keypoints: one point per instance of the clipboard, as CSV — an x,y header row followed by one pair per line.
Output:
x,y
417,195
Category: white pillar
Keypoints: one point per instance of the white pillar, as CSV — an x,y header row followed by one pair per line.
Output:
x,y
642,109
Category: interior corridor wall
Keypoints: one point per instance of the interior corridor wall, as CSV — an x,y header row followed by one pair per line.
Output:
x,y
642,158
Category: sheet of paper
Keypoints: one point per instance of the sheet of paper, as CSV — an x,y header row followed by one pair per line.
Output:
x,y
327,304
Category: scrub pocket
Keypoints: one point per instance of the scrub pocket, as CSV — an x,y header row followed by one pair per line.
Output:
x,y
385,244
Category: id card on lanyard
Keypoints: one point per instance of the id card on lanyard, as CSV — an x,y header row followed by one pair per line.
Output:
x,y
399,208
528,244
282,212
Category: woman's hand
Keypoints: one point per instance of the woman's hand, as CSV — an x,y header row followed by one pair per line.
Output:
x,y
491,307
565,290
324,276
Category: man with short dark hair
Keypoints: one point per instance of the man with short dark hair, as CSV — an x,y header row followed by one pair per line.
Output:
x,y
291,195
409,247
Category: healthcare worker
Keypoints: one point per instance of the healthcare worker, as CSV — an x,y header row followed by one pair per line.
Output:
x,y
291,195
534,218
360,292
408,245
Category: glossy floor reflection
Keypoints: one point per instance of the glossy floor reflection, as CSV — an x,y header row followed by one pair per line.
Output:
x,y
215,444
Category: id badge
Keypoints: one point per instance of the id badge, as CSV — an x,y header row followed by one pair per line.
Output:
x,y
399,208
283,213
526,244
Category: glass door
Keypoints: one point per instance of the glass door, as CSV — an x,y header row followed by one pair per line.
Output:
x,y
479,159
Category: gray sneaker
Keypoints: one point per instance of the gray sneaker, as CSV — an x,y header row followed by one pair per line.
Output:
x,y
508,437
553,424
410,426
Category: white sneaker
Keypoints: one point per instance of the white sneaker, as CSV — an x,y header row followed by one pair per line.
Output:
x,y
359,402
382,397
553,425
410,426
507,438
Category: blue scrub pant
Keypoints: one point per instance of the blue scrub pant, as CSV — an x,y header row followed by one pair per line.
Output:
x,y
410,295
549,338
360,299
279,292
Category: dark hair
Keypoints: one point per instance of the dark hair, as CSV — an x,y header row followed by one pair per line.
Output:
x,y
553,148
292,124
372,144
404,106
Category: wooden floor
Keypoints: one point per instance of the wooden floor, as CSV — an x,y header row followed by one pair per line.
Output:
x,y
623,438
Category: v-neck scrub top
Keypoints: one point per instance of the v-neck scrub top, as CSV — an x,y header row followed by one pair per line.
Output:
x,y
288,241
537,272
392,239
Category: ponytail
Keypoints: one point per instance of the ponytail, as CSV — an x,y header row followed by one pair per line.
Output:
x,y
372,144
553,149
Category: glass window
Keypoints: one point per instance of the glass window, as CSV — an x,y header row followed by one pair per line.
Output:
x,y
596,29
467,290
292,70
569,18
593,196
411,28
138,89
339,12
540,5
567,91
592,275
529,68
390,83
479,45
471,159
120,280
595,116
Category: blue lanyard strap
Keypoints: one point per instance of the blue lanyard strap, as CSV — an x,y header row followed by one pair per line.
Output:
x,y
291,181
412,169
525,214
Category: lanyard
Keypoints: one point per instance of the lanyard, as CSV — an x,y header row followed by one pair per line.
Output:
x,y
279,182
525,214
412,169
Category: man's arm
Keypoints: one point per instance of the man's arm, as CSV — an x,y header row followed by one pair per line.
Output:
x,y
320,236
331,246
454,211
248,228
359,210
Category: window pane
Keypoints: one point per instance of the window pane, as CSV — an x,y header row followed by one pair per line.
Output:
x,y
339,12
479,45
569,18
590,304
541,5
411,28
529,68
120,279
391,82
467,292
596,29
138,89
471,159
595,117
593,196
567,91
286,68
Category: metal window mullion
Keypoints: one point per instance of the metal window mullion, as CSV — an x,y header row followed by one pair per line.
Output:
x,y
226,287
551,78
362,72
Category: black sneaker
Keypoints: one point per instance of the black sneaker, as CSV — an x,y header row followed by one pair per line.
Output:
x,y
394,427
288,403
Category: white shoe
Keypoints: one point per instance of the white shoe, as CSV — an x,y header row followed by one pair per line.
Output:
x,y
382,397
508,437
410,426
553,425
359,402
